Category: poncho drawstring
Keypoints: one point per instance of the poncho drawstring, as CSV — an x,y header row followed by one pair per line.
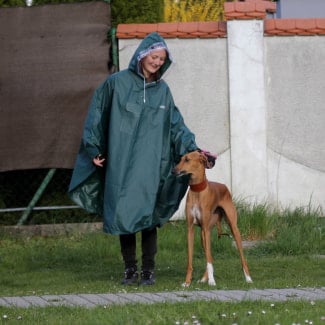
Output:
x,y
144,89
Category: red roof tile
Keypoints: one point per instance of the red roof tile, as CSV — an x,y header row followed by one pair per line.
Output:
x,y
285,27
173,30
166,30
249,9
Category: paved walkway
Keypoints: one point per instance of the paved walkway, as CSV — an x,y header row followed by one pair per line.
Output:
x,y
105,299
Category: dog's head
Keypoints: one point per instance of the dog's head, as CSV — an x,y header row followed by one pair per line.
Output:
x,y
191,163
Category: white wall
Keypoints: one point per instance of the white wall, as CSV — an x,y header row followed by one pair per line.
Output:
x,y
259,103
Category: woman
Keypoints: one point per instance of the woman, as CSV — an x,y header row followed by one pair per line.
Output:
x,y
133,136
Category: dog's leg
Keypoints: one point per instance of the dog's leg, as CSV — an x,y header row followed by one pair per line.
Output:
x,y
190,245
206,241
205,275
219,216
231,214
237,237
218,224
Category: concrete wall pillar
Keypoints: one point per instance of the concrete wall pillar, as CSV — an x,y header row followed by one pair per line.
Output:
x,y
247,110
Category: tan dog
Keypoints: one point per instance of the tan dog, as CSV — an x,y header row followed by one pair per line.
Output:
x,y
206,204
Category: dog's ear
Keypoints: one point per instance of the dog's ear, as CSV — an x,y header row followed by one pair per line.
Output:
x,y
209,158
203,159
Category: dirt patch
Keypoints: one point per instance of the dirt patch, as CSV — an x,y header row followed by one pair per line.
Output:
x,y
51,229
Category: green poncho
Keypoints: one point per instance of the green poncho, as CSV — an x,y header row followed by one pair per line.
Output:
x,y
137,126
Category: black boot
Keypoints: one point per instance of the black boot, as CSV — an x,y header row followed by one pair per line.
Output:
x,y
130,276
147,277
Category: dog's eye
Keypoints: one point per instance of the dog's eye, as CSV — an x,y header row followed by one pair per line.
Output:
x,y
187,159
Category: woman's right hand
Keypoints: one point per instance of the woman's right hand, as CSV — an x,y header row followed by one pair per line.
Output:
x,y
99,161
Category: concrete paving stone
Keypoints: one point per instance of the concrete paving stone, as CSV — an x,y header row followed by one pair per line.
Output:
x,y
151,297
212,295
95,299
320,292
235,295
4,303
17,301
293,293
54,300
114,298
36,301
129,297
190,295
283,294
176,296
204,295
256,294
307,294
268,295
75,300
321,289
134,297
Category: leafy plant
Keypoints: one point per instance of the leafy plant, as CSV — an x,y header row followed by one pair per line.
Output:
x,y
138,11
193,10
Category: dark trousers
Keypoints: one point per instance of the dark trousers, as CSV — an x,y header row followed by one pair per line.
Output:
x,y
148,245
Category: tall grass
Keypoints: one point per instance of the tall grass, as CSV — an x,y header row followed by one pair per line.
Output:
x,y
256,222
289,232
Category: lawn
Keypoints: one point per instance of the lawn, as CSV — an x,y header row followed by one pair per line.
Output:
x,y
204,313
289,253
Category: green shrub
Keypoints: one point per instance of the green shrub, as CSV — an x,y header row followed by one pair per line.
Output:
x,y
138,11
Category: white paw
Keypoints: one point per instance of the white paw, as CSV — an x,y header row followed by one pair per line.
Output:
x,y
248,278
185,285
211,280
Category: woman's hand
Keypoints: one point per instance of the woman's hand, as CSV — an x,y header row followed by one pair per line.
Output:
x,y
99,161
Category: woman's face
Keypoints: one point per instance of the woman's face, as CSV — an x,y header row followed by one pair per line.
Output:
x,y
152,62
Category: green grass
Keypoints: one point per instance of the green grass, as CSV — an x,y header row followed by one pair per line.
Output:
x,y
290,254
202,312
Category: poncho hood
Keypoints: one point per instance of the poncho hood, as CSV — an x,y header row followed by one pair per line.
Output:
x,y
150,43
